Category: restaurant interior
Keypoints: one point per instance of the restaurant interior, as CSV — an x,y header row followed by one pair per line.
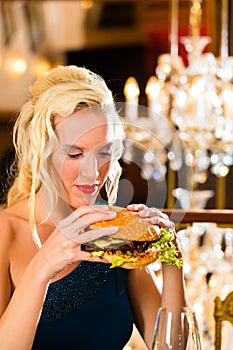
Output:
x,y
169,64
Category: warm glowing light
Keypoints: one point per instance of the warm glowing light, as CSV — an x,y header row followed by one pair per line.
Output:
x,y
153,87
131,89
131,92
16,66
227,95
198,87
40,66
213,282
167,69
182,98
198,308
202,177
87,4
223,171
197,99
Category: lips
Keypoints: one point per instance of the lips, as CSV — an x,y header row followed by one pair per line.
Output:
x,y
88,189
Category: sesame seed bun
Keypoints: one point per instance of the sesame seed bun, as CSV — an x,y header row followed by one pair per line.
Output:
x,y
126,248
131,226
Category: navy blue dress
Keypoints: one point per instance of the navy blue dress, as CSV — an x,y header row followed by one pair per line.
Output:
x,y
85,310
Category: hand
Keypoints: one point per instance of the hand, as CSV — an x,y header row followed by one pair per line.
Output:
x,y
156,217
63,247
76,225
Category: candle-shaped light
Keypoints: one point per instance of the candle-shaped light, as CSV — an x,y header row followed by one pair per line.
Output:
x,y
224,29
195,18
131,92
153,88
174,10
197,108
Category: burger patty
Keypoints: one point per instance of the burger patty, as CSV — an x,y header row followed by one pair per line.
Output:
x,y
127,246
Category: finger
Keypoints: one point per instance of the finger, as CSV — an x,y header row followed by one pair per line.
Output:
x,y
154,230
69,226
91,235
156,220
86,256
136,207
82,211
150,212
82,224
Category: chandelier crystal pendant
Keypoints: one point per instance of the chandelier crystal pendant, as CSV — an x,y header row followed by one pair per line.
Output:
x,y
196,99
202,101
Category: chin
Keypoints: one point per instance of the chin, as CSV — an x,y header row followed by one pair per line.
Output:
x,y
83,201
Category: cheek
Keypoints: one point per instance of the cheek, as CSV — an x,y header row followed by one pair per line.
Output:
x,y
65,168
69,170
104,169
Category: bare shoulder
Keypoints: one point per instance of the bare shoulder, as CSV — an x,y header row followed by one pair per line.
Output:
x,y
6,231
9,218
6,225
12,220
8,222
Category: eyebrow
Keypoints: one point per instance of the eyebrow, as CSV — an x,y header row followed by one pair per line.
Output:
x,y
107,145
73,148
82,149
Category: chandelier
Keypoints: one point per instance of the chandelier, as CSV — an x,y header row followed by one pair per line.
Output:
x,y
190,107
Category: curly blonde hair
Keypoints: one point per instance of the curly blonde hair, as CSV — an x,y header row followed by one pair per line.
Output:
x,y
61,91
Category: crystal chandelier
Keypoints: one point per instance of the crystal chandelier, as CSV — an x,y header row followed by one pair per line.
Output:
x,y
196,101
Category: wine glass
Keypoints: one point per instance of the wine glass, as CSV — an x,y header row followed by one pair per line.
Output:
x,y
176,330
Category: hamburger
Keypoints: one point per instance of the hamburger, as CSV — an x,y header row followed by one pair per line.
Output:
x,y
136,244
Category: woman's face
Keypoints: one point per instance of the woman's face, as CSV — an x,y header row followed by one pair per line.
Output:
x,y
83,157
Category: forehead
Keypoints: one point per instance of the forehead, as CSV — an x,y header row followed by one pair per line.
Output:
x,y
84,124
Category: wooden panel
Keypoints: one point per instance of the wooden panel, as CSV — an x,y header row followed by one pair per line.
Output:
x,y
222,217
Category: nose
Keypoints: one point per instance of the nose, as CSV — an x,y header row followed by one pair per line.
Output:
x,y
89,169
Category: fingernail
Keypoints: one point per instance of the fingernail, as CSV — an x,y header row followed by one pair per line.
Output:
x,y
113,229
143,213
133,206
112,214
154,220
105,208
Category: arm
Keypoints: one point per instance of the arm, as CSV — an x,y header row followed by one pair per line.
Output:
x,y
143,292
173,280
20,311
16,331
145,300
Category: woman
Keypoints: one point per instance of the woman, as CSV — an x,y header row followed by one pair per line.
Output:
x,y
53,295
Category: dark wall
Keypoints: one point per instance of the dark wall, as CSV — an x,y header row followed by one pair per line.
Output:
x,y
115,64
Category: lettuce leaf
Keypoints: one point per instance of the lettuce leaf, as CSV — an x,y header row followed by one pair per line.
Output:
x,y
167,251
165,247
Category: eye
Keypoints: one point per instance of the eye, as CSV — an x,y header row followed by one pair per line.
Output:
x,y
106,154
75,155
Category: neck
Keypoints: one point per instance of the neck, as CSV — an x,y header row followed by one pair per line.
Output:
x,y
48,212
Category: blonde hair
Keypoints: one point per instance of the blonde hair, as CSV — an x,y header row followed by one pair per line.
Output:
x,y
61,91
